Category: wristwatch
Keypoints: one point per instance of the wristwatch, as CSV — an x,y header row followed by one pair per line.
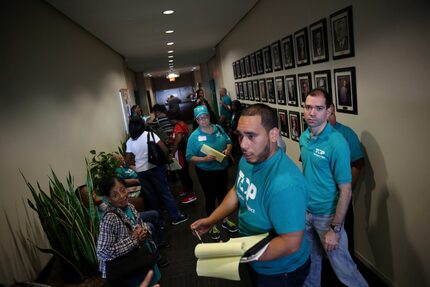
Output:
x,y
336,227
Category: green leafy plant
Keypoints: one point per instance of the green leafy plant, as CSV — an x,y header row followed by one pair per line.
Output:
x,y
71,228
102,166
123,145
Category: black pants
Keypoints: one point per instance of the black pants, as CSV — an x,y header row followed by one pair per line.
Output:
x,y
349,228
214,184
184,175
295,278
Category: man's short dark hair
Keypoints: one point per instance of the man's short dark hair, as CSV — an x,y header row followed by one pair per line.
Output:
x,y
269,119
318,92
159,108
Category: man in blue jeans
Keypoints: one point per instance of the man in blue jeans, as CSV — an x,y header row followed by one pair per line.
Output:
x,y
270,195
326,166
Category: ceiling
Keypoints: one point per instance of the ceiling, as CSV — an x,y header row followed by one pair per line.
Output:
x,y
136,29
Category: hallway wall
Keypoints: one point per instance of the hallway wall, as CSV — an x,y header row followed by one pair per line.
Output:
x,y
60,99
391,44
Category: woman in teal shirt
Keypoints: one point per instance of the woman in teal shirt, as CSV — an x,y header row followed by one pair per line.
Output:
x,y
213,175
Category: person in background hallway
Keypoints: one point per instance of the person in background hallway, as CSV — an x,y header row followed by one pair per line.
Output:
x,y
161,124
357,164
174,108
326,166
225,104
213,175
178,149
270,195
202,101
153,179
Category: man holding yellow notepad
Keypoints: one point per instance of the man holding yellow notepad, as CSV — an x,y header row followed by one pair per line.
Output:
x,y
208,147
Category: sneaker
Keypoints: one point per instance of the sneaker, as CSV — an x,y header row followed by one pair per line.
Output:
x,y
182,193
189,199
229,225
214,233
180,219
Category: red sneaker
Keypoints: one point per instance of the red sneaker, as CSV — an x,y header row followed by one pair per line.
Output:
x,y
189,199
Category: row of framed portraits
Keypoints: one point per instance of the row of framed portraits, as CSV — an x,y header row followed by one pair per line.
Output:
x,y
295,49
292,89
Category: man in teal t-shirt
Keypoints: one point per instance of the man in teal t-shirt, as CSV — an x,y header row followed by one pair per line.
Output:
x,y
326,166
225,101
270,195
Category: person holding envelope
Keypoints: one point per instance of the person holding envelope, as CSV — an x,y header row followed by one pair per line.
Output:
x,y
208,147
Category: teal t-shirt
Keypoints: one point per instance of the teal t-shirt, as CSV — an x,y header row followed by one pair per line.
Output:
x,y
217,140
126,173
326,163
352,140
224,112
272,196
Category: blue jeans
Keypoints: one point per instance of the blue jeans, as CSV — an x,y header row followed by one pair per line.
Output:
x,y
153,217
291,279
154,187
340,259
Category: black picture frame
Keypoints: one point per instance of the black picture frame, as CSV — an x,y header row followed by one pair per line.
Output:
x,y
242,68
236,89
267,59
256,90
247,67
342,33
253,64
319,45
238,72
259,61
304,86
270,88
250,91
245,91
288,52
295,127
280,90
241,91
322,80
276,56
303,122
283,123
262,88
234,70
291,90
301,44
345,90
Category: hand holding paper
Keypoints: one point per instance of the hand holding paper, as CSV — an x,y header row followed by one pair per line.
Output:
x,y
210,151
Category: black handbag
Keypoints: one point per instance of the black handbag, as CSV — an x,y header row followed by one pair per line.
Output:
x,y
156,155
138,261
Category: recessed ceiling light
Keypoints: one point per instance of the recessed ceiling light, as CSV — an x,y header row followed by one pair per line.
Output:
x,y
170,43
169,31
171,56
168,12
171,51
170,61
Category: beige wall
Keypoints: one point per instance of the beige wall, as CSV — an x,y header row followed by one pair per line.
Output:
x,y
392,44
59,100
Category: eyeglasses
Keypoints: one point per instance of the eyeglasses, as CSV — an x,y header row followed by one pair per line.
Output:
x,y
309,108
203,118
119,194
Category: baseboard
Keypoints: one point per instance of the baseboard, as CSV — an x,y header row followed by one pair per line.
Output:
x,y
369,265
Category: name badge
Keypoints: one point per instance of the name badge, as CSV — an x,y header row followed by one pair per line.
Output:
x,y
202,138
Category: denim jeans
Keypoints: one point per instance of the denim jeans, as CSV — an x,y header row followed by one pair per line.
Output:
x,y
154,187
153,217
340,259
290,279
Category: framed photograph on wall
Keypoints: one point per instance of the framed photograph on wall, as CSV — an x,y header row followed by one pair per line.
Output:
x,y
303,122
253,64
302,47
305,86
234,70
345,90
256,90
250,91
259,61
241,91
288,52
247,67
236,89
295,128
242,67
291,90
238,72
263,94
277,56
322,80
342,33
245,91
280,91
283,123
319,46
267,57
270,87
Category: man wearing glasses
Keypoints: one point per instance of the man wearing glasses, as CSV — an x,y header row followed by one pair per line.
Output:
x,y
326,166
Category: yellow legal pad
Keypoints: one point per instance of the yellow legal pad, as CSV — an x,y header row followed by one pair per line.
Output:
x,y
210,151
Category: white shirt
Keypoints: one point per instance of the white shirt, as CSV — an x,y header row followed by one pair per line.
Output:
x,y
139,148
